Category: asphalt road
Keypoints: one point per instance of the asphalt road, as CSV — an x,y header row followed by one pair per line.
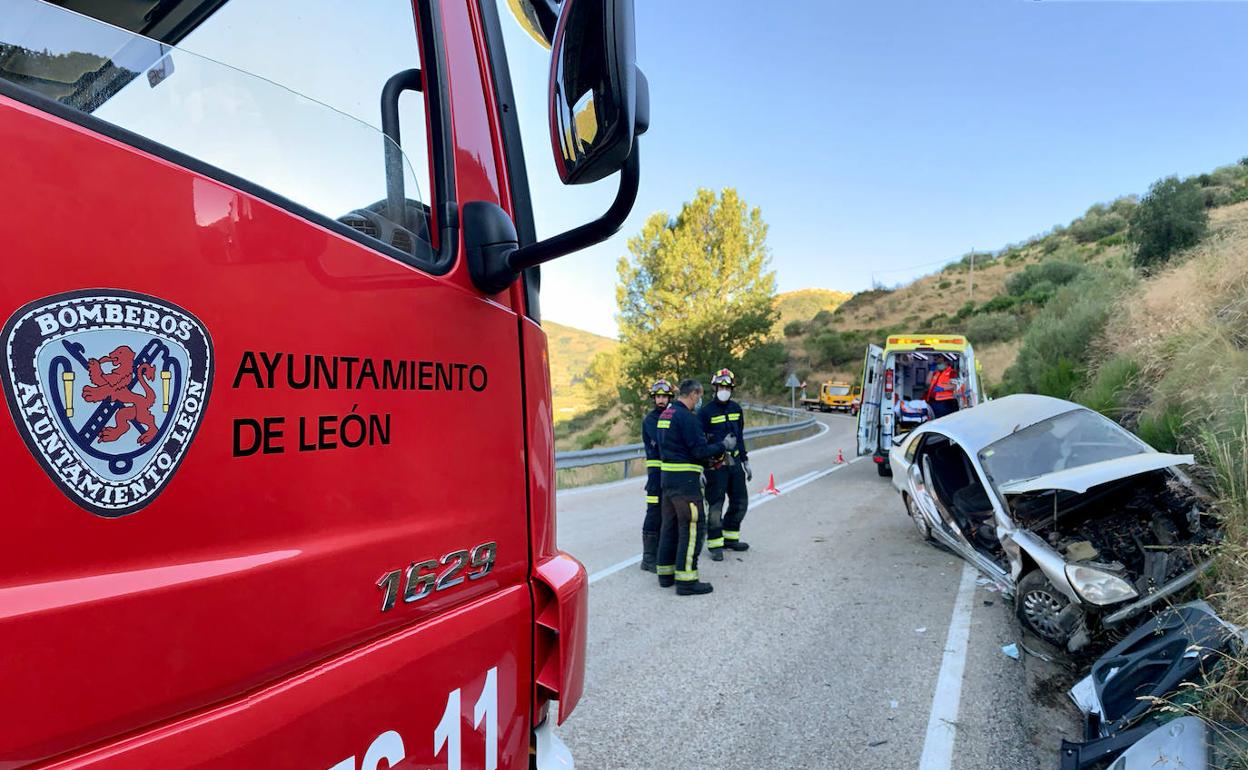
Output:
x,y
839,640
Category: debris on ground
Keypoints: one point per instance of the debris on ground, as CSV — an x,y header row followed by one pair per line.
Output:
x,y
1011,651
1034,654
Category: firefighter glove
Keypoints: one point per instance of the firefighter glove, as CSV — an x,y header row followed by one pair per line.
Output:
x,y
730,442
749,475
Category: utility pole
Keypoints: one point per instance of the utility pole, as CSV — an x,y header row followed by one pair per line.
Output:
x,y
972,287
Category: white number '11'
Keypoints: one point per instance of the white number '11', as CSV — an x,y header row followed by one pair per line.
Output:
x,y
486,709
388,747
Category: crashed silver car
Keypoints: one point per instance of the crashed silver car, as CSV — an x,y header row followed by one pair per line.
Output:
x,y
1083,523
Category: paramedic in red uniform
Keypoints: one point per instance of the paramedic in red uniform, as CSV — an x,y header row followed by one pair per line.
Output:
x,y
942,394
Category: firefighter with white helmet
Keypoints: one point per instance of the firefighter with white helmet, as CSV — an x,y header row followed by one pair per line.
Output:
x,y
661,393
721,417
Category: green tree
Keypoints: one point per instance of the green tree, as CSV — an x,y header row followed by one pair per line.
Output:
x,y
601,383
1172,216
696,294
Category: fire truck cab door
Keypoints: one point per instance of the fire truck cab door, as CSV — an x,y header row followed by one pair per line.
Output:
x,y
297,534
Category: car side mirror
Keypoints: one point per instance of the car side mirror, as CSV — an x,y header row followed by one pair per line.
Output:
x,y
593,89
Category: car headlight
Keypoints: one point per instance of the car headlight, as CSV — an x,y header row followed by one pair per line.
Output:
x,y
1098,587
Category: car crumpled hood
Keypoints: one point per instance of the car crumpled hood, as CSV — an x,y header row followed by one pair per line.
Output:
x,y
1085,477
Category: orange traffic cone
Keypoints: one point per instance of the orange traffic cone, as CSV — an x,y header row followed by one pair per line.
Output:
x,y
840,457
771,485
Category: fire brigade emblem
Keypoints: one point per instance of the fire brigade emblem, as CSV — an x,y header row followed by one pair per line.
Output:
x,y
107,388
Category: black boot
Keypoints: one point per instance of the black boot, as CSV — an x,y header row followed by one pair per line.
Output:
x,y
717,554
667,581
649,550
693,588
737,545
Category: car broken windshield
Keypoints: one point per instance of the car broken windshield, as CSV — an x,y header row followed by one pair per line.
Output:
x,y
1071,440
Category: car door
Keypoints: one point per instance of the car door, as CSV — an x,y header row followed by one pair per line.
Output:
x,y
872,396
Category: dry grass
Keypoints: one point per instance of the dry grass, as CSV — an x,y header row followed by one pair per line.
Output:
x,y
996,358
1187,328
1221,699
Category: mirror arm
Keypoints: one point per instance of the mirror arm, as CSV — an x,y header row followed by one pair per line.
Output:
x,y
587,234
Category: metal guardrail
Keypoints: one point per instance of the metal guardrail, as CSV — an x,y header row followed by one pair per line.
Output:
x,y
628,452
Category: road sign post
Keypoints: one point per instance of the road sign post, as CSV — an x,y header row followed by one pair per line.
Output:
x,y
792,384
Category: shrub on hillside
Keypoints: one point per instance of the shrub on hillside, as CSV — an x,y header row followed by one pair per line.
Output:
x,y
762,369
1219,195
1172,216
830,349
999,303
984,328
1096,225
794,328
1053,272
1053,359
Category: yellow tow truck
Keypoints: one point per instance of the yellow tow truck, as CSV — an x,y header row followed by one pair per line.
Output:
x,y
834,396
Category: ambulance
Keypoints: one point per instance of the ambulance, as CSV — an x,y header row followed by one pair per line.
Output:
x,y
895,380
277,447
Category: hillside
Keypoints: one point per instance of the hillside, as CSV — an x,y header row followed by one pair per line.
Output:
x,y
571,350
803,304
996,303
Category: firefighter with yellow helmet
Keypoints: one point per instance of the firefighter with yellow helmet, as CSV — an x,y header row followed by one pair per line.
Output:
x,y
661,393
727,477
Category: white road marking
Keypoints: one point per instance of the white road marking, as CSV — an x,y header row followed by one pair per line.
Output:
x,y
641,479
942,723
755,501
614,568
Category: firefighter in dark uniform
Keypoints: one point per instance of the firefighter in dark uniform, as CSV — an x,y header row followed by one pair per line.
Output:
x,y
727,476
685,451
662,392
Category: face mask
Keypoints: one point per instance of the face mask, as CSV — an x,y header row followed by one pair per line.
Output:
x,y
698,405
723,395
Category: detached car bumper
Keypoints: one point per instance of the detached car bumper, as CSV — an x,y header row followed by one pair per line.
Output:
x,y
1166,591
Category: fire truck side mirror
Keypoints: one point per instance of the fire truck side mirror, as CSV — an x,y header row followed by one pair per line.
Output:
x,y
594,89
599,105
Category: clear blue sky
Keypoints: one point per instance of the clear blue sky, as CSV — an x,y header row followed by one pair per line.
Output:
x,y
876,136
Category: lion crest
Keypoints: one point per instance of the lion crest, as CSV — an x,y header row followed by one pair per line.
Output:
x,y
117,384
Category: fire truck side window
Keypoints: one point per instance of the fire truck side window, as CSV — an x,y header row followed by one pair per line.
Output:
x,y
283,96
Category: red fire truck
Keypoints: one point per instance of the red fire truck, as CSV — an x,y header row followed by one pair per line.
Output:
x,y
277,453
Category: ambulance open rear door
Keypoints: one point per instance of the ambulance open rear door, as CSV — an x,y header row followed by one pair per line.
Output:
x,y
872,397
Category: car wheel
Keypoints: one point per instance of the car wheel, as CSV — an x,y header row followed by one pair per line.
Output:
x,y
1040,607
883,469
920,523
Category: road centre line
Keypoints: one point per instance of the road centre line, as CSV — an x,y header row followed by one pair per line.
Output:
x,y
755,501
942,723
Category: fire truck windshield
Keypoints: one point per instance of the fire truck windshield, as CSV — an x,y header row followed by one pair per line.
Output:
x,y
238,103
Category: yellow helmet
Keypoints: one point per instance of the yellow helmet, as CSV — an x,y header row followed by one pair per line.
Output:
x,y
724,377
